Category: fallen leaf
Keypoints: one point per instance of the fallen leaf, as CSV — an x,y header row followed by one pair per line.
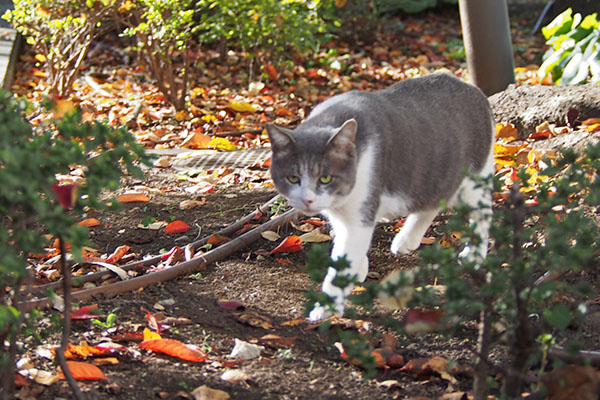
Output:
x,y
148,334
118,254
177,227
206,393
315,236
198,140
241,106
163,162
294,322
271,72
231,305
174,348
234,376
133,197
221,144
288,245
507,131
419,320
427,240
284,261
254,319
572,382
89,222
542,131
271,236
217,239
191,204
63,107
277,341
86,312
507,150
66,194
591,121
245,351
84,371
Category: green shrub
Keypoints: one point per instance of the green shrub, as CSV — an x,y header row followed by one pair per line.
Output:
x,y
61,31
553,235
29,209
574,53
271,30
164,32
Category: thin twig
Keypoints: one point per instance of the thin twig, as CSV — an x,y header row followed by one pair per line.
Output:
x,y
66,332
196,264
227,231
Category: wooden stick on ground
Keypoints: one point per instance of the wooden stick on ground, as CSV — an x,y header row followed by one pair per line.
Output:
x,y
196,264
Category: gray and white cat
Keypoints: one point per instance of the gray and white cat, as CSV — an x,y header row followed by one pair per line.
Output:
x,y
401,151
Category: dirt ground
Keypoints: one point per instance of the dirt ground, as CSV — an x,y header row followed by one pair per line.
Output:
x,y
311,368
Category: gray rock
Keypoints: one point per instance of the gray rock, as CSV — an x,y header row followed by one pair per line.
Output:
x,y
528,106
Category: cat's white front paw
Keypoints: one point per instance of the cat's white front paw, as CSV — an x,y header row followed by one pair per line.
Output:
x,y
319,313
404,244
471,255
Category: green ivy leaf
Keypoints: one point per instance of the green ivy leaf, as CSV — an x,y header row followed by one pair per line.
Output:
x,y
558,316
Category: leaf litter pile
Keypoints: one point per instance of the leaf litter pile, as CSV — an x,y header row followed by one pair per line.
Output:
x,y
235,328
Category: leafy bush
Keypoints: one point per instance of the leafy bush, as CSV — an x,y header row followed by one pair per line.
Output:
x,y
574,53
61,31
271,30
29,208
550,236
164,32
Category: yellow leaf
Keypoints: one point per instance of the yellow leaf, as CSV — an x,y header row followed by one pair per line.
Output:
x,y
505,150
507,132
40,57
221,144
150,335
241,106
209,118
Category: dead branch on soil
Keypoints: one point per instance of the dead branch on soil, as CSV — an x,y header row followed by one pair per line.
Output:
x,y
196,264
142,264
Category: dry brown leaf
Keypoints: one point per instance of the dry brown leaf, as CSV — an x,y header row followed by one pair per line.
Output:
x,y
206,393
277,341
572,382
133,197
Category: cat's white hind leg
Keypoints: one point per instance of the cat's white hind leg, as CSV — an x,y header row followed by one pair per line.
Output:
x,y
411,233
478,195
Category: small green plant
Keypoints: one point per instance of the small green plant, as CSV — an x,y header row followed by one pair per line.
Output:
x,y
31,202
62,32
574,53
551,236
111,320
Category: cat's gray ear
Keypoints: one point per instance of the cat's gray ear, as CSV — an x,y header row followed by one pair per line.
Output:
x,y
345,136
280,137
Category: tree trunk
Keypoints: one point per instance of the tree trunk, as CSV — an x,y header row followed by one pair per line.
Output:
x,y
486,34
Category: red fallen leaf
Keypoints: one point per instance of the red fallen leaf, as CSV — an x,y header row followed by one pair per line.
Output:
x,y
419,320
284,261
118,254
288,245
245,228
177,227
174,348
284,112
133,197
170,253
86,312
84,371
65,194
153,321
271,72
21,381
231,363
314,222
128,337
231,305
267,163
217,240
89,222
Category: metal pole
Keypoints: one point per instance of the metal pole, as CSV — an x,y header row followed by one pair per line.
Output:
x,y
486,35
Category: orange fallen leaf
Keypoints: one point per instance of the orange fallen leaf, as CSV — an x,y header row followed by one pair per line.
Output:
x,y
288,245
218,239
507,132
84,371
284,261
277,341
86,312
133,197
592,128
591,121
293,322
63,107
83,350
174,348
198,140
89,222
542,131
177,227
118,253
271,72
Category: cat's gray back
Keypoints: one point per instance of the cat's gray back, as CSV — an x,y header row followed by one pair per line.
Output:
x,y
424,132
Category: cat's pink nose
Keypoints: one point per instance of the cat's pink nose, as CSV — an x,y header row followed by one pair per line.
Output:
x,y
307,203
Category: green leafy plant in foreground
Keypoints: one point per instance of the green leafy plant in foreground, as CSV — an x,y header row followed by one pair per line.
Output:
x,y
30,161
553,236
574,53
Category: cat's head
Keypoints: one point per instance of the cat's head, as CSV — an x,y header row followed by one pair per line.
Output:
x,y
314,166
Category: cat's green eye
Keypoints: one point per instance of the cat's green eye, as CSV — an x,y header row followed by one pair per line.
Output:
x,y
325,179
293,179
